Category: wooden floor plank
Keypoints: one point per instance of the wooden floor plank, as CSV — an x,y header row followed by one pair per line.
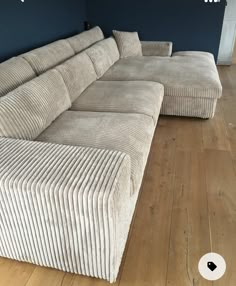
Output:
x,y
48,277
86,281
189,134
147,254
228,106
13,273
190,235
215,133
224,76
221,185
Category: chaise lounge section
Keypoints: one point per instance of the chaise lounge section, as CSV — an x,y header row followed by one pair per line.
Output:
x,y
76,127
190,79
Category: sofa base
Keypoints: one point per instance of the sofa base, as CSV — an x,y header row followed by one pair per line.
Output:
x,y
189,106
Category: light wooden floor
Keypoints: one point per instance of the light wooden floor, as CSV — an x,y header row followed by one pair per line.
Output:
x,y
187,207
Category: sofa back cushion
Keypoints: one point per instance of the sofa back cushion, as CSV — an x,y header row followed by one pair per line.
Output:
x,y
103,55
86,39
49,56
31,108
13,73
78,73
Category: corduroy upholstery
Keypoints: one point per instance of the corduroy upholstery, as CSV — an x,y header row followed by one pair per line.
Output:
x,y
128,133
49,56
13,73
103,55
128,44
122,97
161,49
31,108
64,207
189,106
195,54
180,75
70,207
78,73
190,75
86,39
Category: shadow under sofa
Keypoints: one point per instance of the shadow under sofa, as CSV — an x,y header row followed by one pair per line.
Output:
x,y
76,127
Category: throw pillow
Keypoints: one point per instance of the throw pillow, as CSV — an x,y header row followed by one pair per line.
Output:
x,y
128,43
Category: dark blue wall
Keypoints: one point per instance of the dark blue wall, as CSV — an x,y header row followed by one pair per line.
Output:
x,y
24,26
190,24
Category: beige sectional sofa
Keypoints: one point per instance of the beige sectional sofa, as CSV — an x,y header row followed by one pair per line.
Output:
x,y
76,126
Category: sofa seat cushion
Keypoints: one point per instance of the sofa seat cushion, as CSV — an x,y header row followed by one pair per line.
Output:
x,y
78,73
30,109
14,73
189,75
122,96
129,133
49,56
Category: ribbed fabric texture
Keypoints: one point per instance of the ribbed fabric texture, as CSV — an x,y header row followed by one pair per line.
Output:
x,y
31,108
140,97
128,133
189,106
78,73
14,73
86,39
49,56
208,93
60,206
69,207
128,44
193,75
103,55
195,54
161,49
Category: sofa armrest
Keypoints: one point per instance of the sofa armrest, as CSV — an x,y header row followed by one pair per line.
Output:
x,y
161,49
59,205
